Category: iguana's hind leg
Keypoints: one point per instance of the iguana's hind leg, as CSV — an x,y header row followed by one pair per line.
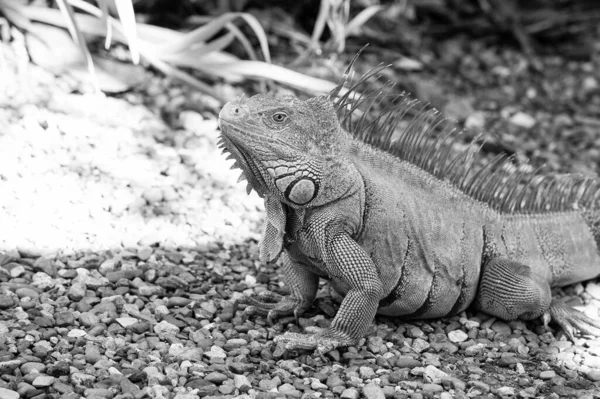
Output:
x,y
511,290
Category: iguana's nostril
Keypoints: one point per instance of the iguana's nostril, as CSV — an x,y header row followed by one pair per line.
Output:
x,y
233,110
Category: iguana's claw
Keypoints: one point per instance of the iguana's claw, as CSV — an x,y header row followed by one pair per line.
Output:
x,y
272,306
570,320
319,339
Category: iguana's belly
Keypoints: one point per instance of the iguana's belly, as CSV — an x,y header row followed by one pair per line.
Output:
x,y
427,247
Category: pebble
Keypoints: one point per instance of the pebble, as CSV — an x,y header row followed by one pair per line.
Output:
x,y
6,302
548,374
373,391
366,373
457,336
501,327
523,120
350,393
63,319
25,292
420,345
593,375
76,333
164,327
432,389
127,321
32,367
407,362
506,391
434,375
216,377
240,381
43,381
479,385
8,394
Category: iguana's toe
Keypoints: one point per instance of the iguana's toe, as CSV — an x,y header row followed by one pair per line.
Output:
x,y
320,340
272,306
571,320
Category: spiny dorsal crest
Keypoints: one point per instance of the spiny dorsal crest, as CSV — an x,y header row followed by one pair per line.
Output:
x,y
417,133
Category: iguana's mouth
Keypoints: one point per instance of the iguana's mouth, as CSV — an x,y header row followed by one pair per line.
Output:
x,y
243,160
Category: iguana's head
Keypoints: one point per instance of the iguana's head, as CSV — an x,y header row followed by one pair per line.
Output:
x,y
285,147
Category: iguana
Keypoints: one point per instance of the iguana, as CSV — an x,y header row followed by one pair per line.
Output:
x,y
396,223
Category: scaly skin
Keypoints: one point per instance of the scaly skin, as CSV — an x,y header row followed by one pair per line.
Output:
x,y
389,236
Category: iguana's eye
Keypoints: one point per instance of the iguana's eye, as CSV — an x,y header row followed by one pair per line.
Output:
x,y
279,117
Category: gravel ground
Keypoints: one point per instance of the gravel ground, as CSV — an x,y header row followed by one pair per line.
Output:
x,y
126,241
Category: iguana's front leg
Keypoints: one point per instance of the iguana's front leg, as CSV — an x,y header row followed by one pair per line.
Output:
x,y
303,286
346,263
510,290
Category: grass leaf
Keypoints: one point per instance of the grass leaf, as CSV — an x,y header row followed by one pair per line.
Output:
x,y
77,36
127,17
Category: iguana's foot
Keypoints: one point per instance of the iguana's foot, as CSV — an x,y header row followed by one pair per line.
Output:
x,y
273,306
322,340
570,320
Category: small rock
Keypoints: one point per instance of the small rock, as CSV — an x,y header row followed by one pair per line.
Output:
x,y
144,253
475,121
154,375
153,195
32,367
8,394
9,366
434,375
593,289
6,302
64,319
334,380
76,292
88,319
126,321
406,362
240,381
350,393
373,391
457,336
164,327
505,391
76,333
25,292
408,64
98,393
216,377
523,120
43,381
366,373
432,389
479,385
28,252
548,374
593,375
420,345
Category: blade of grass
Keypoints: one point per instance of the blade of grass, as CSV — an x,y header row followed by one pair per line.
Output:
x,y
185,77
200,19
361,18
12,12
127,17
197,51
105,14
260,69
77,36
